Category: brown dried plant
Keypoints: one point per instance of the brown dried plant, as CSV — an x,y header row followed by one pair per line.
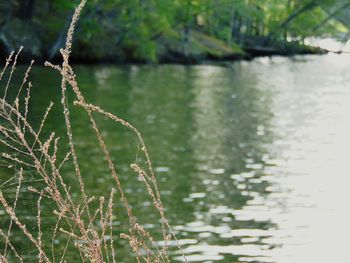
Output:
x,y
86,229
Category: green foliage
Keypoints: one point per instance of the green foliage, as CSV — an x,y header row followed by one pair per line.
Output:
x,y
134,27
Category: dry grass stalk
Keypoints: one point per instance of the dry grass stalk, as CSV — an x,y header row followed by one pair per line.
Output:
x,y
85,229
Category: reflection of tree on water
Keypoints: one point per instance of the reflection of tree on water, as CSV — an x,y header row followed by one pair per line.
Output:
x,y
26,207
161,98
205,126
231,126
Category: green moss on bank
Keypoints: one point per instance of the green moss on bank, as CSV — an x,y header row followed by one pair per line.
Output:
x,y
168,47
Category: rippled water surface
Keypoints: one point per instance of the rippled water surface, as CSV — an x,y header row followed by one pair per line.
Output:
x,y
252,157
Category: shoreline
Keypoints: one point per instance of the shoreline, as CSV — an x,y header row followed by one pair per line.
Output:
x,y
248,56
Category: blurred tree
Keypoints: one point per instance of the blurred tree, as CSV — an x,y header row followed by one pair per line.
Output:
x,y
132,29
26,9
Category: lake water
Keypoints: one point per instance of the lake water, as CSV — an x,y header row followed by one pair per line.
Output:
x,y
252,158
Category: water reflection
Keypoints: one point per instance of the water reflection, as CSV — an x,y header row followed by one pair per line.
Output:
x,y
251,157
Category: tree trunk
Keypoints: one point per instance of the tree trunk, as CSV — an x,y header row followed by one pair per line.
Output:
x,y
331,16
232,22
26,9
311,5
238,26
289,8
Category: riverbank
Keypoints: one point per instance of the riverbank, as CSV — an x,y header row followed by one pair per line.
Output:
x,y
204,49
198,48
